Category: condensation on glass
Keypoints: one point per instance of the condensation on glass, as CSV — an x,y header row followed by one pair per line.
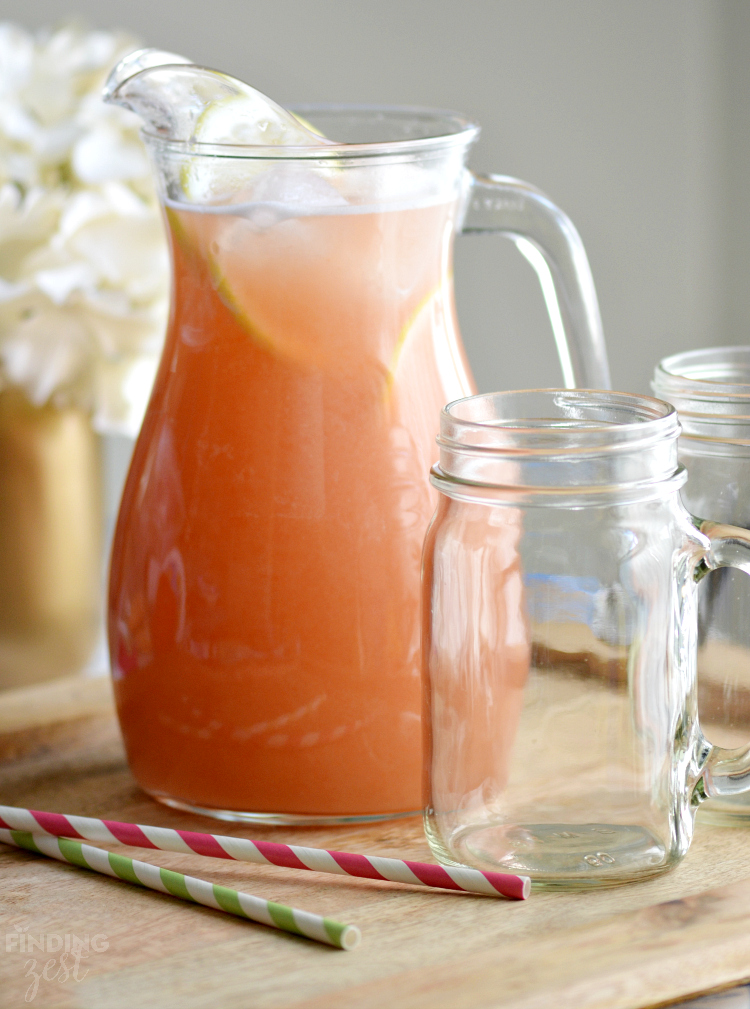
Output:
x,y
559,640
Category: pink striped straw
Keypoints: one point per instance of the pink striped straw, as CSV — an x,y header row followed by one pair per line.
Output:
x,y
290,856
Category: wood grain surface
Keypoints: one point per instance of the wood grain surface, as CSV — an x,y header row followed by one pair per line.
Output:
x,y
50,718
629,947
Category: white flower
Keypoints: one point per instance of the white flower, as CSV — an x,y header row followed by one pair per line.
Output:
x,y
83,263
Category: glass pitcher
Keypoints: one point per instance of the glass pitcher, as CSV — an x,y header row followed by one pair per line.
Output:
x,y
264,595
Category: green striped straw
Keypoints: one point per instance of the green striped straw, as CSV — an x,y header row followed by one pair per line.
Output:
x,y
200,891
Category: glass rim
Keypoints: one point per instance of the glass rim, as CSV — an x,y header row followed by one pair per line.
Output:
x,y
464,133
705,375
652,420
574,448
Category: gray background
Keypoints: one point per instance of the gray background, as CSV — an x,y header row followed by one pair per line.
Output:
x,y
633,115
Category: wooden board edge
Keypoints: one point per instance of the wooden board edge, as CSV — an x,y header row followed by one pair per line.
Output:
x,y
57,701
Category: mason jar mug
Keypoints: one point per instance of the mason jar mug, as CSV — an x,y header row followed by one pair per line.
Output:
x,y
560,580
710,390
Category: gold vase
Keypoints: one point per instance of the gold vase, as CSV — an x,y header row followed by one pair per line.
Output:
x,y
50,540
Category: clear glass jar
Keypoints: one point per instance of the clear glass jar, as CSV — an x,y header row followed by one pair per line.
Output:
x,y
710,388
559,640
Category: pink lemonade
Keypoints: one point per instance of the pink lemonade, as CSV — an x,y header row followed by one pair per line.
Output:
x,y
264,602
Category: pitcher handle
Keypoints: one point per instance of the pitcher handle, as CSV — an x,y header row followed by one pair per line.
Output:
x,y
723,771
546,237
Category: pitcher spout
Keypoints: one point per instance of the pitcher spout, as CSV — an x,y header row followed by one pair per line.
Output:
x,y
178,100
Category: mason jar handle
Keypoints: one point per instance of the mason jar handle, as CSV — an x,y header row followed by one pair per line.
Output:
x,y
724,771
546,237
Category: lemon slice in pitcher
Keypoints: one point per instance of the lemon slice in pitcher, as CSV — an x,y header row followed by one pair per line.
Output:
x,y
250,118
247,119
230,195
184,102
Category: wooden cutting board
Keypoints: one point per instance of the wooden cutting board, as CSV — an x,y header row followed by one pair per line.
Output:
x,y
641,945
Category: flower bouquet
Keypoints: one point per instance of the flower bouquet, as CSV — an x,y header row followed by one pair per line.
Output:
x,y
83,302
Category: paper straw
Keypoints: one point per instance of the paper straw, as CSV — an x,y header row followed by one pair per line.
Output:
x,y
291,856
200,891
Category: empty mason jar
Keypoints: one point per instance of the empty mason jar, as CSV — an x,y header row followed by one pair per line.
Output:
x,y
559,640
711,390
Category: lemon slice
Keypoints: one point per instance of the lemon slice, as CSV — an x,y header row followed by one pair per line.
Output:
x,y
184,102
279,288
419,320
416,362
250,118
246,118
